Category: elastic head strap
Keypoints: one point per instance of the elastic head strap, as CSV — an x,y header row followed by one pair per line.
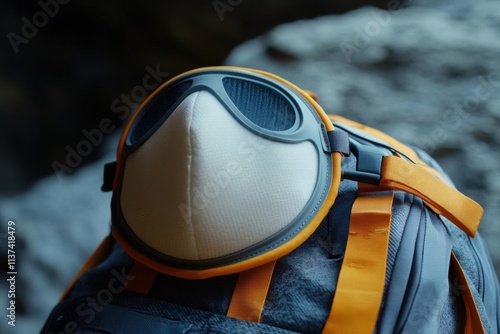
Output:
x,y
445,200
250,292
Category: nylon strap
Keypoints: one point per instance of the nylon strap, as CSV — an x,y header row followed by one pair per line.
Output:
x,y
360,286
101,252
473,322
144,278
445,200
250,293
114,319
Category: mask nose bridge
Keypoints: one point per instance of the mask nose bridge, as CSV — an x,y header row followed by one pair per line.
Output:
x,y
208,82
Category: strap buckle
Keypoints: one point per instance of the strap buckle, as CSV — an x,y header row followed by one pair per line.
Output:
x,y
368,163
108,176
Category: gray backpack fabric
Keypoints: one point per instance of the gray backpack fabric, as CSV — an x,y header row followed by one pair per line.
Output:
x,y
422,294
413,233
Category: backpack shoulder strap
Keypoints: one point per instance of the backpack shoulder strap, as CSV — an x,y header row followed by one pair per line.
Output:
x,y
405,171
445,200
360,287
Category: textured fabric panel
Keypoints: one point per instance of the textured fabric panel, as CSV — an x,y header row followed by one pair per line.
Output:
x,y
114,269
203,186
212,294
400,212
428,288
452,314
302,288
398,282
475,259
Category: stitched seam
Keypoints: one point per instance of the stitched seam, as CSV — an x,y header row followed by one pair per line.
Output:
x,y
190,158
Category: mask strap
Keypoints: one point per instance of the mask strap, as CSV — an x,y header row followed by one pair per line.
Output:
x,y
397,173
376,167
142,280
250,293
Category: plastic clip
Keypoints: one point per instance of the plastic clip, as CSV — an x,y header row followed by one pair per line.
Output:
x,y
368,163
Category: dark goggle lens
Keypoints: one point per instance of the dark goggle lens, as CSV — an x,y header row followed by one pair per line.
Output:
x,y
158,110
260,104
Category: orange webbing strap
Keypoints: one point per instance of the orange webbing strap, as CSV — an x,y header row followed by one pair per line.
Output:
x,y
445,200
250,293
101,252
360,286
144,278
408,151
473,322
422,180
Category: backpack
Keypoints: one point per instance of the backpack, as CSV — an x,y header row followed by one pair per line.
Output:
x,y
240,206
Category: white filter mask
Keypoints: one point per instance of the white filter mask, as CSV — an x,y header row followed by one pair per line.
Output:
x,y
203,186
222,170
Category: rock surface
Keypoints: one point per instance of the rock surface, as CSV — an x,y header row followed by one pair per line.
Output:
x,y
58,225
427,76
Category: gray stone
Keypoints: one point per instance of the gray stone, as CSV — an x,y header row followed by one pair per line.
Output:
x,y
59,222
429,77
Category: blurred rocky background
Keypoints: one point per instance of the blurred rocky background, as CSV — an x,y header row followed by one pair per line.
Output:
x,y
63,69
425,72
